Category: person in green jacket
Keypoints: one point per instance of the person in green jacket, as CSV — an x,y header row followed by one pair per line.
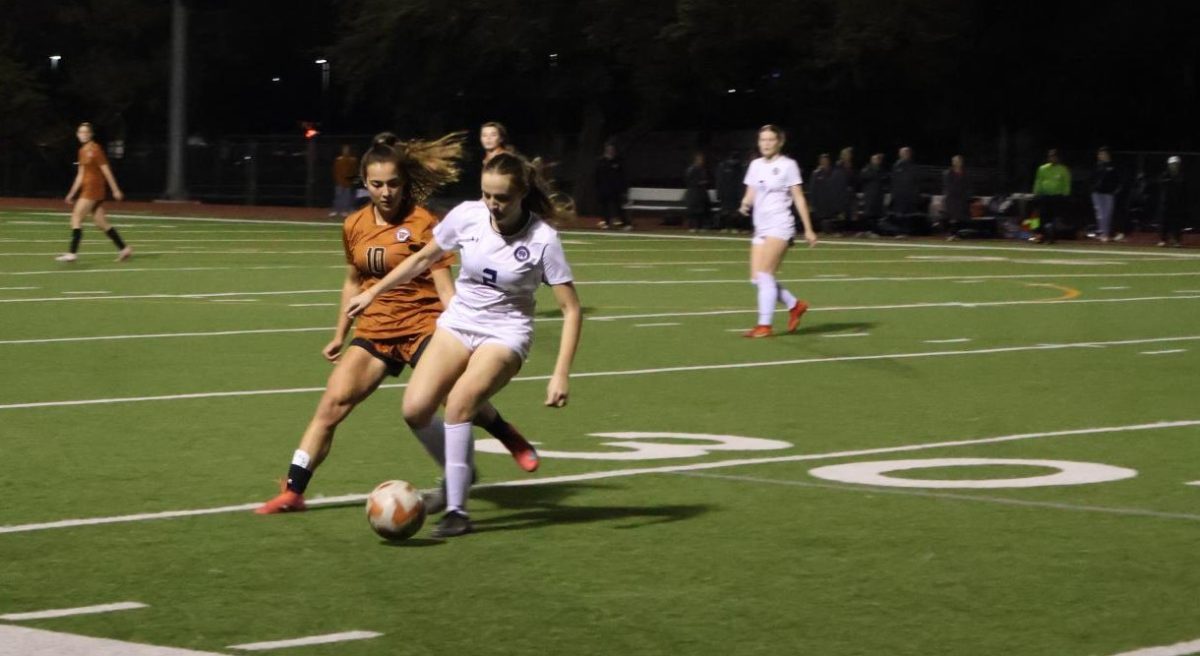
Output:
x,y
1051,191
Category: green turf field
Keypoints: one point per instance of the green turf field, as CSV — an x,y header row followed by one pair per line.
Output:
x,y
180,381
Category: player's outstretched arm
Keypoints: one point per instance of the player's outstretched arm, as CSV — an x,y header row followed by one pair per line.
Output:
x,y
410,268
802,208
350,286
568,301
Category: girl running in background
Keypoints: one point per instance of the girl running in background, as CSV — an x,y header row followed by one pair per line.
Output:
x,y
399,177
484,336
94,171
772,186
494,139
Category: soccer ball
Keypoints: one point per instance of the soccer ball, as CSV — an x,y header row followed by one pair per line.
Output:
x,y
395,510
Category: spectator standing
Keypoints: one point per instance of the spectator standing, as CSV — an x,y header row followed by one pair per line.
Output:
x,y
823,199
1172,203
611,189
729,190
905,190
848,178
1106,182
695,198
345,170
1051,191
956,198
874,185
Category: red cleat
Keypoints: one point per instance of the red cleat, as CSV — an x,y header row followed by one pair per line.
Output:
x,y
522,451
758,331
794,315
287,501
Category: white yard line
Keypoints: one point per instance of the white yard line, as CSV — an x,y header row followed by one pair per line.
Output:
x,y
622,473
17,289
1177,649
24,641
617,317
999,276
1187,291
1116,287
847,335
633,372
1164,352
955,340
67,612
310,640
1137,512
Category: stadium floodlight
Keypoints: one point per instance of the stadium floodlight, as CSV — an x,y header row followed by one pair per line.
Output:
x,y
54,59
321,61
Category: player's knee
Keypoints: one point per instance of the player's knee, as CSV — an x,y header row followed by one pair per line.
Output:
x,y
333,409
461,408
418,415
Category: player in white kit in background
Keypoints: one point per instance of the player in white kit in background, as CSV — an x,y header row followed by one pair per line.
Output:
x,y
508,250
772,187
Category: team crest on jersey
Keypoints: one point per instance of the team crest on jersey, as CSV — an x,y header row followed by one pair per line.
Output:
x,y
521,253
403,234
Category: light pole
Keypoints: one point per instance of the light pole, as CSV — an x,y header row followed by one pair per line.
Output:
x,y
324,64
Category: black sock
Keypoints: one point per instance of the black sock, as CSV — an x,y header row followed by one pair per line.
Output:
x,y
76,237
298,478
501,430
112,234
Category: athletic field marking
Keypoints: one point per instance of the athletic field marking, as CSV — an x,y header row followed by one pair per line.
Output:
x,y
15,289
617,317
874,489
24,641
244,251
67,612
1193,483
152,217
1177,649
204,295
348,499
140,270
1187,291
955,340
1116,287
628,372
654,325
847,335
709,269
1164,352
832,275
1003,276
310,640
270,240
969,282
98,291
235,300
1068,292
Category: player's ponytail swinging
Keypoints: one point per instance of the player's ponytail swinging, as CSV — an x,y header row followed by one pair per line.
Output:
x,y
425,166
528,179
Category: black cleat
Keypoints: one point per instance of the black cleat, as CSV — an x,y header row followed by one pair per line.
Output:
x,y
453,524
435,498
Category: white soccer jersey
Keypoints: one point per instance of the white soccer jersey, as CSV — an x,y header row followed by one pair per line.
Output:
x,y
498,275
772,182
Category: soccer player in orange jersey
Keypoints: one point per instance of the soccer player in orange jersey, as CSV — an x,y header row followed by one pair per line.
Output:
x,y
94,171
399,176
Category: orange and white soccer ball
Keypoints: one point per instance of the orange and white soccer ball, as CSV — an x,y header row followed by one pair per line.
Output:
x,y
395,510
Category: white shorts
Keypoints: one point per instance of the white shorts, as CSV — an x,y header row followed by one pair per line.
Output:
x,y
760,236
515,339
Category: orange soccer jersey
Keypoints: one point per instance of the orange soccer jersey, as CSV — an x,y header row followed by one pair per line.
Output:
x,y
406,310
91,158
345,168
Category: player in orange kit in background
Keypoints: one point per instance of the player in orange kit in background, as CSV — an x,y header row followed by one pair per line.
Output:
x,y
94,171
399,176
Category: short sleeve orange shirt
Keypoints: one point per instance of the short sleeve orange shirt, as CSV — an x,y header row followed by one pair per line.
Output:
x,y
345,168
374,250
91,158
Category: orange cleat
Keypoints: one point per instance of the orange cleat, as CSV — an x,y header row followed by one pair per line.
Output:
x,y
287,501
522,451
794,315
758,331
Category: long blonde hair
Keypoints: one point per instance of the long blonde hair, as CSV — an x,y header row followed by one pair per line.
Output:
x,y
424,166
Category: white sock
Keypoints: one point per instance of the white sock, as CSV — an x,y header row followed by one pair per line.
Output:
x,y
433,438
786,298
768,291
301,459
458,466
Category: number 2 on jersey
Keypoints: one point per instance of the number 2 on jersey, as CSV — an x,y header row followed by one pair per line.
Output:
x,y
489,278
376,262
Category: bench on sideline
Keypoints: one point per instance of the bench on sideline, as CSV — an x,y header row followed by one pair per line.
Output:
x,y
661,199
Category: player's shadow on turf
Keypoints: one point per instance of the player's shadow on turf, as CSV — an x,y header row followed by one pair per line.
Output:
x,y
844,326
540,506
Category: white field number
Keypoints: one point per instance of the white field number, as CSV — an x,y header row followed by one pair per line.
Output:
x,y
642,446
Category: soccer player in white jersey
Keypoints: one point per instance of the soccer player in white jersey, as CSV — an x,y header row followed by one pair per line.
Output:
x,y
508,250
772,187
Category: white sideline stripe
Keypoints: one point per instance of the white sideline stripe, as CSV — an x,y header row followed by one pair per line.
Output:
x,y
873,489
216,333
1193,483
15,289
955,340
847,335
1164,352
655,325
24,641
629,372
310,640
618,317
1177,649
620,473
153,217
1187,291
67,612
1116,288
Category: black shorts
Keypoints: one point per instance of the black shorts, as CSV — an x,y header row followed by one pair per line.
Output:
x,y
388,352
